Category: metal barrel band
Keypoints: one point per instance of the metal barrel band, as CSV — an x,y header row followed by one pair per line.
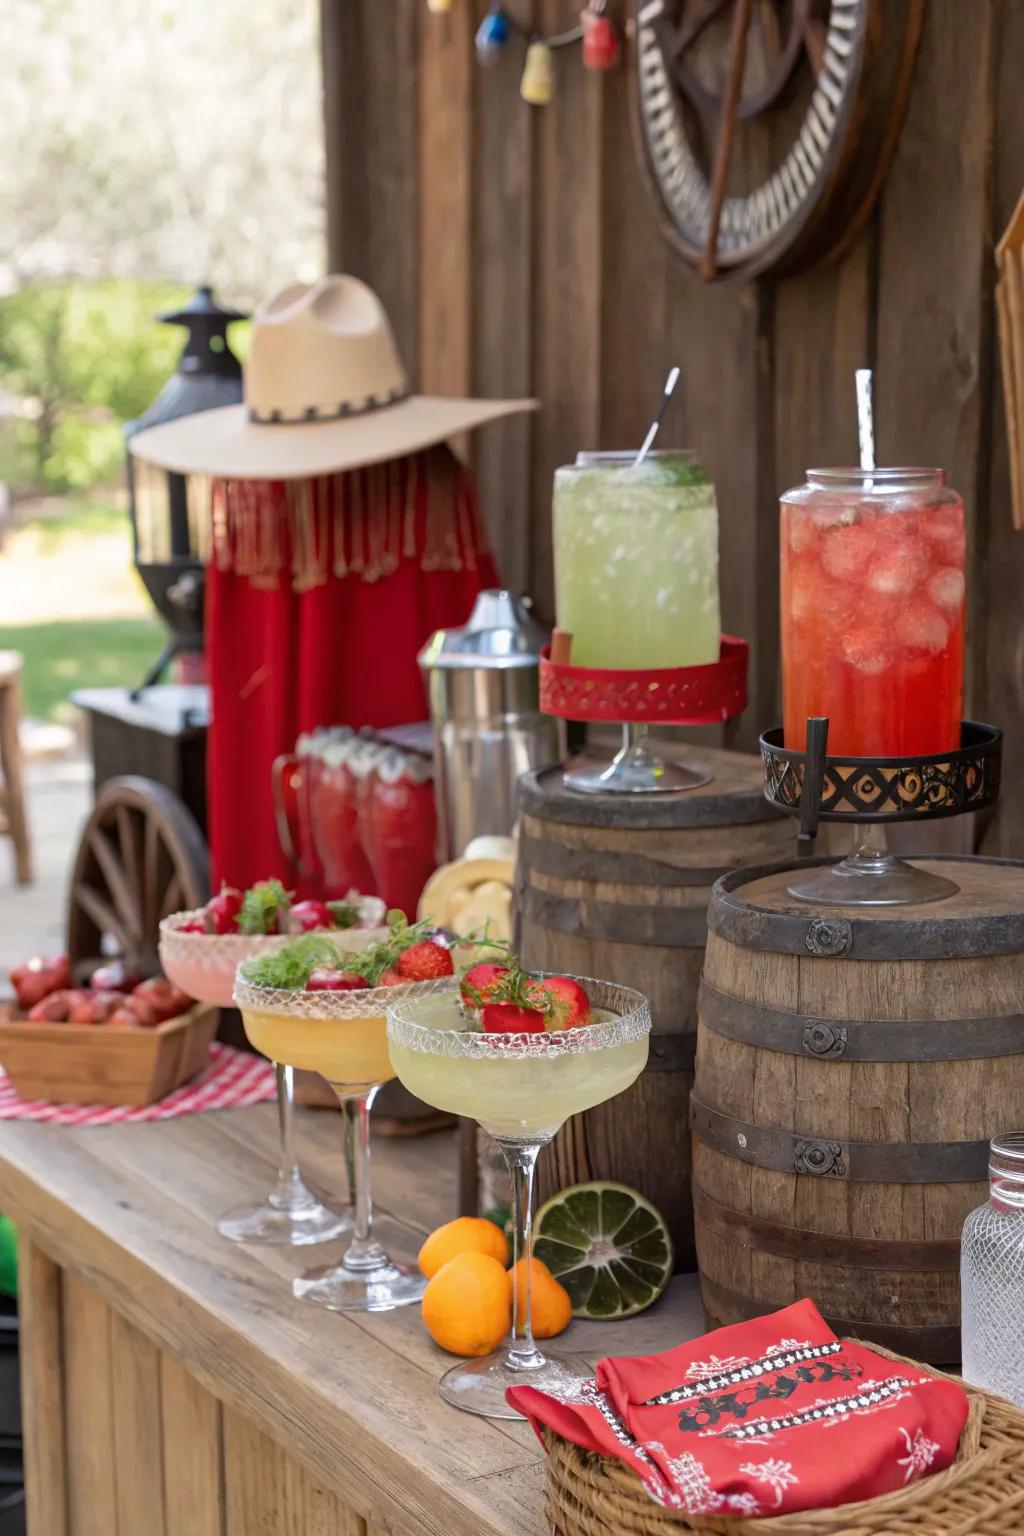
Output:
x,y
935,1343
715,808
868,1162
668,927
868,938
801,1034
606,864
843,1250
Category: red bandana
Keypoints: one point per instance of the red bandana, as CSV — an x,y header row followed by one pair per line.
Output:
x,y
760,1418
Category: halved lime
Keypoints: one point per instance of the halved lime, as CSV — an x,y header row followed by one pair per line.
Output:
x,y
607,1245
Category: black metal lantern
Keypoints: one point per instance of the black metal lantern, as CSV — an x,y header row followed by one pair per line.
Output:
x,y
166,545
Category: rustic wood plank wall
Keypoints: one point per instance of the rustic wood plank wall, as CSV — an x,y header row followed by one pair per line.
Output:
x,y
518,251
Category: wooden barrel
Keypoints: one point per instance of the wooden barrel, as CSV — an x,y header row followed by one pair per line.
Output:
x,y
617,886
852,1066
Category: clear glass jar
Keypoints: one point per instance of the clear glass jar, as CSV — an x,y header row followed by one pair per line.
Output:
x,y
872,610
992,1277
636,560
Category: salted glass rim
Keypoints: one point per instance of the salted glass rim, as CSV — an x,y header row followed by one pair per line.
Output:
x,y
298,1003
631,1023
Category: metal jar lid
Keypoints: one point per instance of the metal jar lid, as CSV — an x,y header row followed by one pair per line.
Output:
x,y
500,633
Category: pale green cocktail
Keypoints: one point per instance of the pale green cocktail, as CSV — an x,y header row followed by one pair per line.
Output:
x,y
636,561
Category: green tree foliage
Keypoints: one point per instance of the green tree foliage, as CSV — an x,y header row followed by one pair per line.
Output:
x,y
80,359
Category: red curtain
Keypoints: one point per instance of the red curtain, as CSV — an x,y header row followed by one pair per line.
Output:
x,y
341,651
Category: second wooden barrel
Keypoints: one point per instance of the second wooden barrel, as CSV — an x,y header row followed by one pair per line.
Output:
x,y
617,886
852,1066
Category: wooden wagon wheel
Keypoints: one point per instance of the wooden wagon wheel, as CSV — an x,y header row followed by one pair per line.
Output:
x,y
141,857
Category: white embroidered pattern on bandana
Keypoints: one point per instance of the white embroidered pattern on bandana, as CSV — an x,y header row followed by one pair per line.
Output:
x,y
921,1453
779,1476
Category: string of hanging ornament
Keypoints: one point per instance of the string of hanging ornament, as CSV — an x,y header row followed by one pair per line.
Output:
x,y
596,32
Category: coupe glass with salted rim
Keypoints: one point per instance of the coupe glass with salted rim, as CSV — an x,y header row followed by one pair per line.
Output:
x,y
521,1088
341,1035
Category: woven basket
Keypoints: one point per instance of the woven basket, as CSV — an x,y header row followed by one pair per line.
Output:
x,y
981,1494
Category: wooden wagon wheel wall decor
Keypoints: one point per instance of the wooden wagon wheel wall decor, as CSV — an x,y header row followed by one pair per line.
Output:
x,y
140,858
767,126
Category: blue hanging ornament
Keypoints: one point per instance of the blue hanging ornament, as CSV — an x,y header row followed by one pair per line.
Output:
x,y
492,35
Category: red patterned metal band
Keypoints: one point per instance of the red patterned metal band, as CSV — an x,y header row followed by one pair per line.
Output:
x,y
704,695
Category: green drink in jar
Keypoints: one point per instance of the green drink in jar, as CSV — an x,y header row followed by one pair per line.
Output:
x,y
636,560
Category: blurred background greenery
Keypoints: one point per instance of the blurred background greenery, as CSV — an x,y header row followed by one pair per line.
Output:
x,y
141,170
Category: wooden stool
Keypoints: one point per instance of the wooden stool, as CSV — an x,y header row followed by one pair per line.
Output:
x,y
13,822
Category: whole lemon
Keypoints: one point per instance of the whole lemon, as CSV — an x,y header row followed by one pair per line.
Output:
x,y
466,1234
550,1303
466,1305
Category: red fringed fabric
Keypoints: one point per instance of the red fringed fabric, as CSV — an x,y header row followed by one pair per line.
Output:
x,y
319,596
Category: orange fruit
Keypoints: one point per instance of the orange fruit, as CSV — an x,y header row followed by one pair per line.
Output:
x,y
466,1305
466,1234
551,1303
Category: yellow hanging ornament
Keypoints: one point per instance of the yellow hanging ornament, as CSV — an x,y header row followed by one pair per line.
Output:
x,y
439,7
538,82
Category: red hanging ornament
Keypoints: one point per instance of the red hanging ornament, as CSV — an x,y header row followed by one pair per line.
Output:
x,y
601,47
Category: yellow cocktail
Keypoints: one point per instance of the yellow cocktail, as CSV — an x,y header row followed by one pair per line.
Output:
x,y
520,1088
341,1035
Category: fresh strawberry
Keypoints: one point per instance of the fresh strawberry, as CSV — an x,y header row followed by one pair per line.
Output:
x,y
325,980
425,961
223,909
52,1009
40,976
565,1004
392,979
116,977
305,916
194,925
512,1019
142,1011
90,1007
479,982
167,1000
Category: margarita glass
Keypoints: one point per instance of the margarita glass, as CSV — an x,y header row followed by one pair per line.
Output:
x,y
204,965
341,1035
521,1088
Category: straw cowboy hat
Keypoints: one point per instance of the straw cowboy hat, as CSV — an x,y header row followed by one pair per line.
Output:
x,y
325,391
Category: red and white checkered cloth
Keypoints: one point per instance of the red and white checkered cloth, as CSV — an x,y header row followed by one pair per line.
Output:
x,y
229,1080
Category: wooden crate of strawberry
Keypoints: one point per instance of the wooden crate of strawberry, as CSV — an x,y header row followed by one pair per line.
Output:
x,y
124,1039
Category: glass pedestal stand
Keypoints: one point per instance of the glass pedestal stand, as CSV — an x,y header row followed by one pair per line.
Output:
x,y
636,700
636,770
870,876
874,792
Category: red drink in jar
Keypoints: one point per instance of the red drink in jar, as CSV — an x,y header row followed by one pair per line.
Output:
x,y
872,611
336,818
401,823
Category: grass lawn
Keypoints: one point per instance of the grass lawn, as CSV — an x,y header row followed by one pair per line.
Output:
x,y
66,654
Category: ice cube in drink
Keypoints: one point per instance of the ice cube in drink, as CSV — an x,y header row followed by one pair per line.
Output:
x,y
872,572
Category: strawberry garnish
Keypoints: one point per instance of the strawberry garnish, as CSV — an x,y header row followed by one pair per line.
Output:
x,y
325,980
479,983
222,910
425,961
563,1001
305,916
512,1018
392,979
194,925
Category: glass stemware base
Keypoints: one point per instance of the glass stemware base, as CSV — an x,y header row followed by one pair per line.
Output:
x,y
479,1386
379,1287
292,1225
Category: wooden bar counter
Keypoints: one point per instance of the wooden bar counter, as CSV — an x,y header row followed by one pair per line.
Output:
x,y
173,1387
